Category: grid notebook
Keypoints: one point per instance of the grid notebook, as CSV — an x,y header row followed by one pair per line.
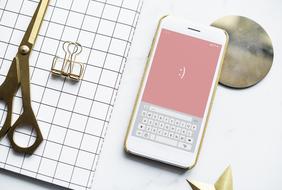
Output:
x,y
72,116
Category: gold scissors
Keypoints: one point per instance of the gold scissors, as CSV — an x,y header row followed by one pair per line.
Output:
x,y
18,76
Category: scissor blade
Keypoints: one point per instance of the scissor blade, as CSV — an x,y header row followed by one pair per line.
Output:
x,y
35,23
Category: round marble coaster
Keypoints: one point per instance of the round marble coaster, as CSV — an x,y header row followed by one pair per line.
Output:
x,y
249,55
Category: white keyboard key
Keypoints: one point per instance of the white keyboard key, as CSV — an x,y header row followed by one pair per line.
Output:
x,y
166,119
177,122
149,114
139,133
148,128
184,146
178,129
189,133
194,127
152,136
145,120
161,117
189,140
146,135
156,123
188,126
172,128
183,131
154,130
176,136
150,122
155,116
182,124
161,125
171,121
165,133
160,132
144,113
141,126
166,140
166,127
182,138
171,135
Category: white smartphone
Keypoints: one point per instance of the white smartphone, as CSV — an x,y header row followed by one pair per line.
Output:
x,y
175,96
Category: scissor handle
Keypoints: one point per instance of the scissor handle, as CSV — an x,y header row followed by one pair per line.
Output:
x,y
8,120
27,118
8,90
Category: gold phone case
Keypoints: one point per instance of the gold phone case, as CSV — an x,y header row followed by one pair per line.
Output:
x,y
143,80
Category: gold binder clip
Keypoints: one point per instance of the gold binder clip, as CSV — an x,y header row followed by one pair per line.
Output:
x,y
68,66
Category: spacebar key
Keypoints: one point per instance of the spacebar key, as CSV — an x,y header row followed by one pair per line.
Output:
x,y
166,141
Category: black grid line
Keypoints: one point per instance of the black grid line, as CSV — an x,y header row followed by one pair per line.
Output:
x,y
74,102
111,97
94,95
55,107
102,2
36,114
63,127
68,93
44,174
52,55
53,22
114,95
108,104
108,107
38,155
0,68
3,10
58,99
73,12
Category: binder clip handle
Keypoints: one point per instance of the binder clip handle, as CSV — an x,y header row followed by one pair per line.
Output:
x,y
68,66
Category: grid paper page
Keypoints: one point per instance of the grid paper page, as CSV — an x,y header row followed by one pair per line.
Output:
x,y
72,116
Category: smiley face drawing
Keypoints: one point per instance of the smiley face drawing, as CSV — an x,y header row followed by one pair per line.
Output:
x,y
182,72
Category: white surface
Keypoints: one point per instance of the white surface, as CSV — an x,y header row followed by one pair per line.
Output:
x,y
244,128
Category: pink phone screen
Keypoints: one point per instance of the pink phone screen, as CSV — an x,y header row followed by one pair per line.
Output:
x,y
182,73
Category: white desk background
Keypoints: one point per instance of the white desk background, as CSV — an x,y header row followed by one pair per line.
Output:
x,y
245,128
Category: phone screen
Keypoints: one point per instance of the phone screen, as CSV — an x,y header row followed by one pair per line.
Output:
x,y
182,73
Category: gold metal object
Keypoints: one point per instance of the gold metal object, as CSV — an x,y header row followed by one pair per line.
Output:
x,y
249,54
68,66
24,49
38,21
18,76
224,182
